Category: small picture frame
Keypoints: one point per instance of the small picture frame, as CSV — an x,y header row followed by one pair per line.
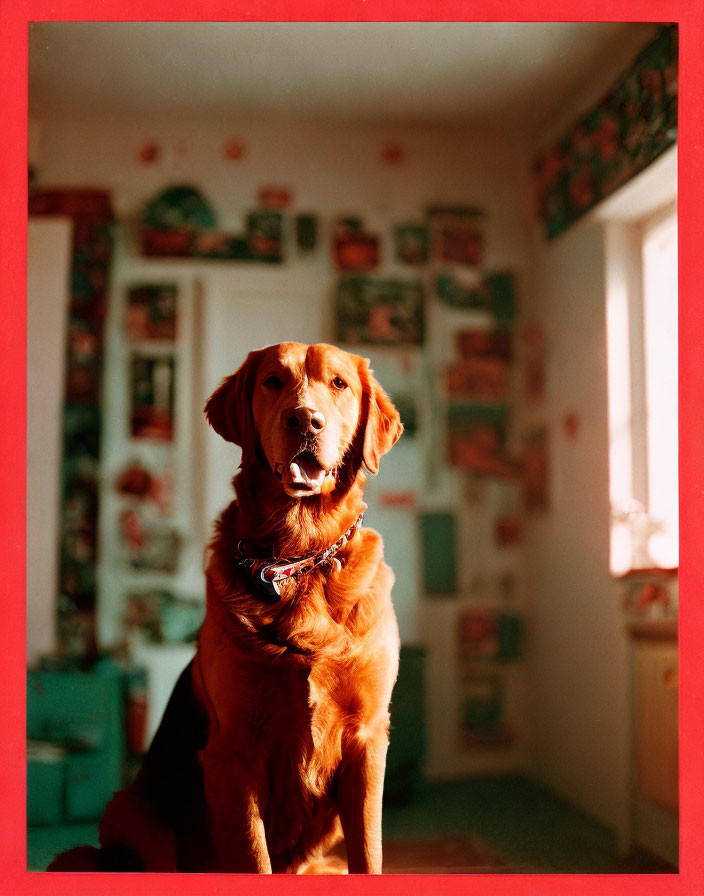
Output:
x,y
306,233
456,234
480,378
152,397
481,713
438,540
481,342
354,249
478,633
149,544
500,286
477,439
376,311
265,235
152,311
411,243
451,291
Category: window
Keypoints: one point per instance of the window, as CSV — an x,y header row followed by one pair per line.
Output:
x,y
642,361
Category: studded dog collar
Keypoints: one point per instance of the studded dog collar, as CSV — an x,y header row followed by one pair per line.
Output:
x,y
268,572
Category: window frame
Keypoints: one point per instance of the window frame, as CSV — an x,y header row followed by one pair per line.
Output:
x,y
628,217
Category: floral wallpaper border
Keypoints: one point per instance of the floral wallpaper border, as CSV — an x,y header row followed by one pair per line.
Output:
x,y
92,217
634,123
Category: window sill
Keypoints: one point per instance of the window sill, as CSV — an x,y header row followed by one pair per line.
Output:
x,y
648,574
654,630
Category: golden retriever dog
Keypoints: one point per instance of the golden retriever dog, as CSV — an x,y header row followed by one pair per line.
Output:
x,y
273,745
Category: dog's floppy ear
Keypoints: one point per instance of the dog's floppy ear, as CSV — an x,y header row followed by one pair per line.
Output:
x,y
383,425
229,408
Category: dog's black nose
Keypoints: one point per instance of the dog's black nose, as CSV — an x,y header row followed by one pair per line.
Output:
x,y
304,420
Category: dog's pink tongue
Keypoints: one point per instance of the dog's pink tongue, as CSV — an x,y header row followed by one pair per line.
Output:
x,y
304,470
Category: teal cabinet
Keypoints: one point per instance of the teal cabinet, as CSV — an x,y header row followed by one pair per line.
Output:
x,y
407,732
81,715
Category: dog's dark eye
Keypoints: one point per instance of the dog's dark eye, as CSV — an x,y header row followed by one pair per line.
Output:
x,y
273,382
339,383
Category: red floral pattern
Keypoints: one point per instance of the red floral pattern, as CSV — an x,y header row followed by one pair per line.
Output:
x,y
613,142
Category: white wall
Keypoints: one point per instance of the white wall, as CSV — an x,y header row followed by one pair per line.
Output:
x,y
332,169
577,649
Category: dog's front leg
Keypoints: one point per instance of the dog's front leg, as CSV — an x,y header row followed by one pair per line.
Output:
x,y
234,810
360,790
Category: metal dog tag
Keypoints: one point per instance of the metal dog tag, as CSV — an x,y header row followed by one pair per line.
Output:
x,y
270,588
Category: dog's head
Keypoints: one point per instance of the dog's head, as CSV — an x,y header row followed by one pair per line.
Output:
x,y
311,409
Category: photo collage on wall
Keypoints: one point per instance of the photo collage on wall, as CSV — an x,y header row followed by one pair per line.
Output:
x,y
489,641
179,222
444,252
150,541
384,282
475,391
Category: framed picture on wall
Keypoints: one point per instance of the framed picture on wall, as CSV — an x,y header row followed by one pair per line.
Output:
x,y
481,713
378,311
150,544
151,311
456,234
354,249
477,439
439,555
265,235
306,232
411,243
482,342
483,378
152,397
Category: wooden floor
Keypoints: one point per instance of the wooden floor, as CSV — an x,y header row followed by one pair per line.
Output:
x,y
438,855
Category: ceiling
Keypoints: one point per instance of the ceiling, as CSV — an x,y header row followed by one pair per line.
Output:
x,y
439,73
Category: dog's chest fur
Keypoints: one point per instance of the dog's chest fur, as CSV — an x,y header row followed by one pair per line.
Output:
x,y
308,678
302,763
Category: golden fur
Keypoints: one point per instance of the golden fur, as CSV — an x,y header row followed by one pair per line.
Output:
x,y
286,703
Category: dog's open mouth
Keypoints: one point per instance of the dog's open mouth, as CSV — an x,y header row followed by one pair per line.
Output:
x,y
303,475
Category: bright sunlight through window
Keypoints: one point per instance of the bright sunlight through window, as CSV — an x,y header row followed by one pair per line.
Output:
x,y
642,356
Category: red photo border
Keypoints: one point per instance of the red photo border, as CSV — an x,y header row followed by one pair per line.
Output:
x,y
14,879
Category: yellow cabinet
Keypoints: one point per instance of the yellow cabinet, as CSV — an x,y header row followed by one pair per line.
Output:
x,y
655,728
655,798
